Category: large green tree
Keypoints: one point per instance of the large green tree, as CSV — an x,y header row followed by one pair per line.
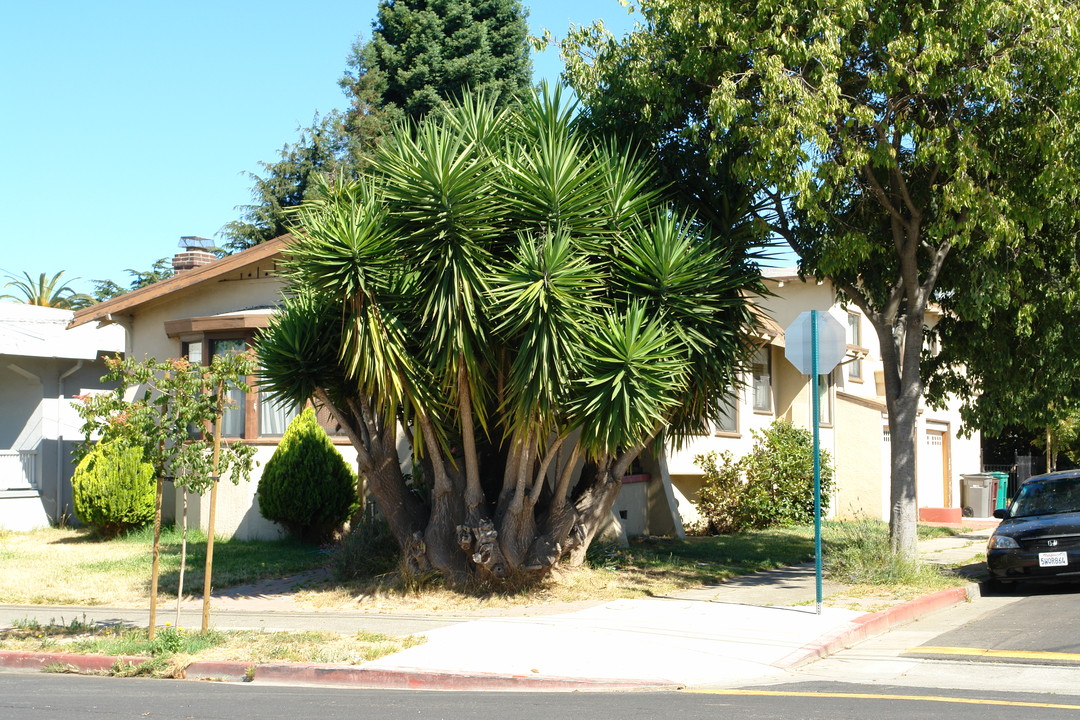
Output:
x,y
526,306
426,52
894,145
1006,349
322,151
422,54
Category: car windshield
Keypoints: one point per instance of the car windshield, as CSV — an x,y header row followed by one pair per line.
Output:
x,y
1047,497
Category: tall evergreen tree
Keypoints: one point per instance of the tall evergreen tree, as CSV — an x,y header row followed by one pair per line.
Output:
x,y
322,149
422,53
425,52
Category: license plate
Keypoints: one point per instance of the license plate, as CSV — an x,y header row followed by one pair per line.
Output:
x,y
1053,559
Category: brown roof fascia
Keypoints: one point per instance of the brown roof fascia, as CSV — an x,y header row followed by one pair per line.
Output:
x,y
217,323
129,301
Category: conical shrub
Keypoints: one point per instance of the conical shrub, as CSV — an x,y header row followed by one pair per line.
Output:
x,y
307,486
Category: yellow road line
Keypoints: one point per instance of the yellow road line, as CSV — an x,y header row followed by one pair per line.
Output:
x,y
1005,654
871,696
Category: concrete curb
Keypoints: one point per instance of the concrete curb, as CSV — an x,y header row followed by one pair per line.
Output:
x,y
336,675
417,679
19,660
873,624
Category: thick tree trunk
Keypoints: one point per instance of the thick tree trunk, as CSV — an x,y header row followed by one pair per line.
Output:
x,y
404,512
903,500
903,391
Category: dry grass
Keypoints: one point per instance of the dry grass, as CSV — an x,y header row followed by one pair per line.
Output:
x,y
169,658
65,566
874,598
61,566
564,589
71,567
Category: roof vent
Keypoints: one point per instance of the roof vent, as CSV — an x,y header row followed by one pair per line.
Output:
x,y
197,251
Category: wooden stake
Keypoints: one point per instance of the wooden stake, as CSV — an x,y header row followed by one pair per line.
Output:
x,y
210,524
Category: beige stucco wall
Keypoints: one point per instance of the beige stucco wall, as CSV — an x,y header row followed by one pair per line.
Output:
x,y
254,286
857,457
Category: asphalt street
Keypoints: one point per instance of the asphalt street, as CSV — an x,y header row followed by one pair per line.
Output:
x,y
46,697
1041,627
1033,621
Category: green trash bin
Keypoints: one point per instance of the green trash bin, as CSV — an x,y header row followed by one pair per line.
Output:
x,y
1002,488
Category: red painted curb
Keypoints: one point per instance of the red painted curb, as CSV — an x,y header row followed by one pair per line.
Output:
x,y
873,624
330,675
415,679
218,670
17,660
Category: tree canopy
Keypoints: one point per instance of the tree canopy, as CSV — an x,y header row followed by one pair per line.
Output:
x,y
422,54
895,146
525,303
160,270
426,52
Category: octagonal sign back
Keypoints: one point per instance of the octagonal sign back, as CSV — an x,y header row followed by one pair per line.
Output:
x,y
832,342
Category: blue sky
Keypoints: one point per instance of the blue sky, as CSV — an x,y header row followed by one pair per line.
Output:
x,y
129,124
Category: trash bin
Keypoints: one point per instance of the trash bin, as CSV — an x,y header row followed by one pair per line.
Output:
x,y
977,495
1002,495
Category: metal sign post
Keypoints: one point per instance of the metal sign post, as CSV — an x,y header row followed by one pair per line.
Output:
x,y
816,410
815,343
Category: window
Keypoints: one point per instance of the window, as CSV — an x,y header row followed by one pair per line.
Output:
x,y
762,369
824,399
854,340
252,414
728,422
233,421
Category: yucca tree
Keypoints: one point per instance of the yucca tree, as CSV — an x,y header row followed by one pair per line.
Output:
x,y
522,302
46,292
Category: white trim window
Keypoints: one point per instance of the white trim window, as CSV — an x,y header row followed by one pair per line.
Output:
x,y
762,371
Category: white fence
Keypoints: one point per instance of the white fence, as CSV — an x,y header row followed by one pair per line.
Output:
x,y
18,469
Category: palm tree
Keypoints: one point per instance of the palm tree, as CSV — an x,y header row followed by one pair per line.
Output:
x,y
522,301
47,293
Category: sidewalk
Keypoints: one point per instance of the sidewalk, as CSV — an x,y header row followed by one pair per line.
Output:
x,y
749,628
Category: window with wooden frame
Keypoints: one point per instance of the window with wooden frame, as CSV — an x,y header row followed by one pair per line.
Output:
x,y
854,344
762,373
253,414
825,404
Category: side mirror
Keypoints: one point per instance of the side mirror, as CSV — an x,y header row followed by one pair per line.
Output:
x,y
1001,513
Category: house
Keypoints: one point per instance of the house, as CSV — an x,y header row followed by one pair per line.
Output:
x,y
42,365
854,425
214,305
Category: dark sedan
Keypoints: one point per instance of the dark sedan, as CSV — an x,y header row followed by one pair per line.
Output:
x,y
1039,536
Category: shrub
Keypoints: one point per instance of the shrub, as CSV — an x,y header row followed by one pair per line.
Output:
x,y
772,486
369,550
719,496
307,486
113,489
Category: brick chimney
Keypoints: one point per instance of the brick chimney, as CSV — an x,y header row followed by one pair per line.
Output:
x,y
196,253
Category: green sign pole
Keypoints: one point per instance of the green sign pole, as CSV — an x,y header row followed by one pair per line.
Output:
x,y
817,452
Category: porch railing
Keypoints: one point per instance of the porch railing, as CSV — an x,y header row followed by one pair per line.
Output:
x,y
18,469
